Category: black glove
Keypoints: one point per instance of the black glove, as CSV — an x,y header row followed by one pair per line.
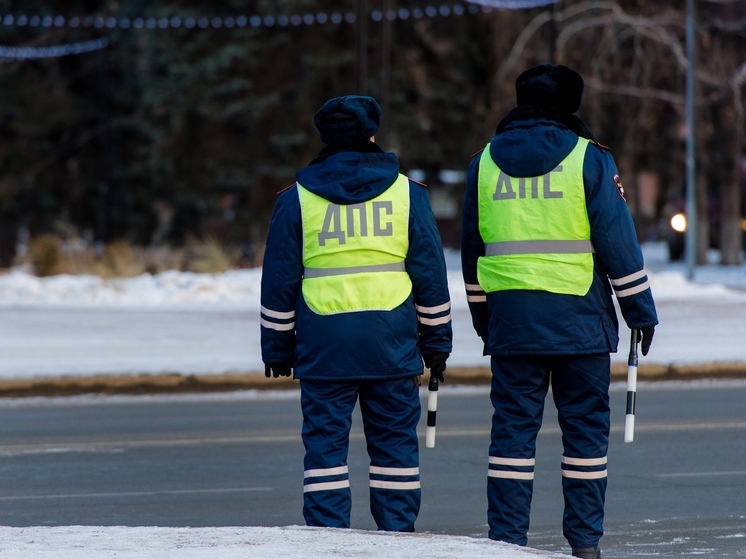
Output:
x,y
436,362
645,336
278,370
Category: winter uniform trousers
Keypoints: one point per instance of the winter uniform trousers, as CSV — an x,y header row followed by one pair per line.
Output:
x,y
580,388
391,412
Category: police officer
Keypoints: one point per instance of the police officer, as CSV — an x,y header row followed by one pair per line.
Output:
x,y
354,298
546,238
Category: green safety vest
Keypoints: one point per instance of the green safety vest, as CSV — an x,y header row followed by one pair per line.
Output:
x,y
354,254
535,229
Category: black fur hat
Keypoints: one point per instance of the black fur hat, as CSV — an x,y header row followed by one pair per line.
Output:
x,y
352,117
547,85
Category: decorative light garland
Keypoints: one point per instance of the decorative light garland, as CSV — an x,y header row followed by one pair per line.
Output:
x,y
230,22
242,21
513,4
54,51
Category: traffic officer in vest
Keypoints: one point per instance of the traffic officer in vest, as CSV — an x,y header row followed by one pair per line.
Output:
x,y
354,298
546,238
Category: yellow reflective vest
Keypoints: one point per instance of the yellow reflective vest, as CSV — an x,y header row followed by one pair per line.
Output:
x,y
535,229
354,254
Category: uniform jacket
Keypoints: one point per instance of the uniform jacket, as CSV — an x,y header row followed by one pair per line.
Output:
x,y
532,142
357,345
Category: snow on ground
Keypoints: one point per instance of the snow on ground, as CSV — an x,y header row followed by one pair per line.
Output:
x,y
167,289
188,323
290,542
241,288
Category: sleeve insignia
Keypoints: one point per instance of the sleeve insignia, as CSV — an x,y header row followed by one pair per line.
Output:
x,y
619,187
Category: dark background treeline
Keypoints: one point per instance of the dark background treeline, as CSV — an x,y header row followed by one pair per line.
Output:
x,y
178,132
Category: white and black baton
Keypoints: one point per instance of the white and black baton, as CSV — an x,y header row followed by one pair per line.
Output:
x,y
629,420
432,410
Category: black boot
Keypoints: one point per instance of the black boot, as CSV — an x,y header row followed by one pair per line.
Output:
x,y
587,552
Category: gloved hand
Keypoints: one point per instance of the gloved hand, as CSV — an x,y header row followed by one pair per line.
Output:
x,y
278,369
645,335
436,362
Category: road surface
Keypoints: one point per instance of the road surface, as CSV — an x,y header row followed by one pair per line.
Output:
x,y
235,460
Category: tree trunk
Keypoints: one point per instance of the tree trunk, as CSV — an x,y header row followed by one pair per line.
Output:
x,y
730,203
703,219
8,241
730,218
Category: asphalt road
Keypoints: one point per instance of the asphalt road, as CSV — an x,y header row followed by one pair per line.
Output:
x,y
229,460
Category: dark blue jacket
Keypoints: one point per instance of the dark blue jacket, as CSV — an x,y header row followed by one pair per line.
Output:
x,y
516,322
357,345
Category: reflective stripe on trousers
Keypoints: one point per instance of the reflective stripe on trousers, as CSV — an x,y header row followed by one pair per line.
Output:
x,y
580,385
391,412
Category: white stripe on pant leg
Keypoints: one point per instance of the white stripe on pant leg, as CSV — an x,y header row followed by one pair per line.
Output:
x,y
399,485
504,474
345,483
394,471
500,461
320,472
584,461
583,475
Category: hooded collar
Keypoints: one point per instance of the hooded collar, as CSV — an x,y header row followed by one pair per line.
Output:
x,y
361,146
536,112
350,172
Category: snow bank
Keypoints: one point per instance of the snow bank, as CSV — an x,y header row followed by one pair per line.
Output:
x,y
292,542
235,287
241,288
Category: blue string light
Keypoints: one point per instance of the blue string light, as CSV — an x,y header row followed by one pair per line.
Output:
x,y
513,4
230,22
52,52
255,21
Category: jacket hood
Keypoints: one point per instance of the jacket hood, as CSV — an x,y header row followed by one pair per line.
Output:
x,y
350,172
531,141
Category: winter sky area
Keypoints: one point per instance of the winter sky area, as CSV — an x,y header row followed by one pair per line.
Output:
x,y
209,324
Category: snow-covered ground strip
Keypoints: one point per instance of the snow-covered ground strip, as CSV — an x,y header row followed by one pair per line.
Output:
x,y
168,289
291,542
188,323
241,288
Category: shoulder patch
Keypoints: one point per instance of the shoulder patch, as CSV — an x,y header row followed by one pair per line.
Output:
x,y
288,187
422,184
619,187
600,146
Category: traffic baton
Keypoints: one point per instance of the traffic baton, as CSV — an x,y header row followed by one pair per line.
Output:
x,y
432,410
629,420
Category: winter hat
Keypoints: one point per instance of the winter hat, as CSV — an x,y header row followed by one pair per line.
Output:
x,y
352,117
546,85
